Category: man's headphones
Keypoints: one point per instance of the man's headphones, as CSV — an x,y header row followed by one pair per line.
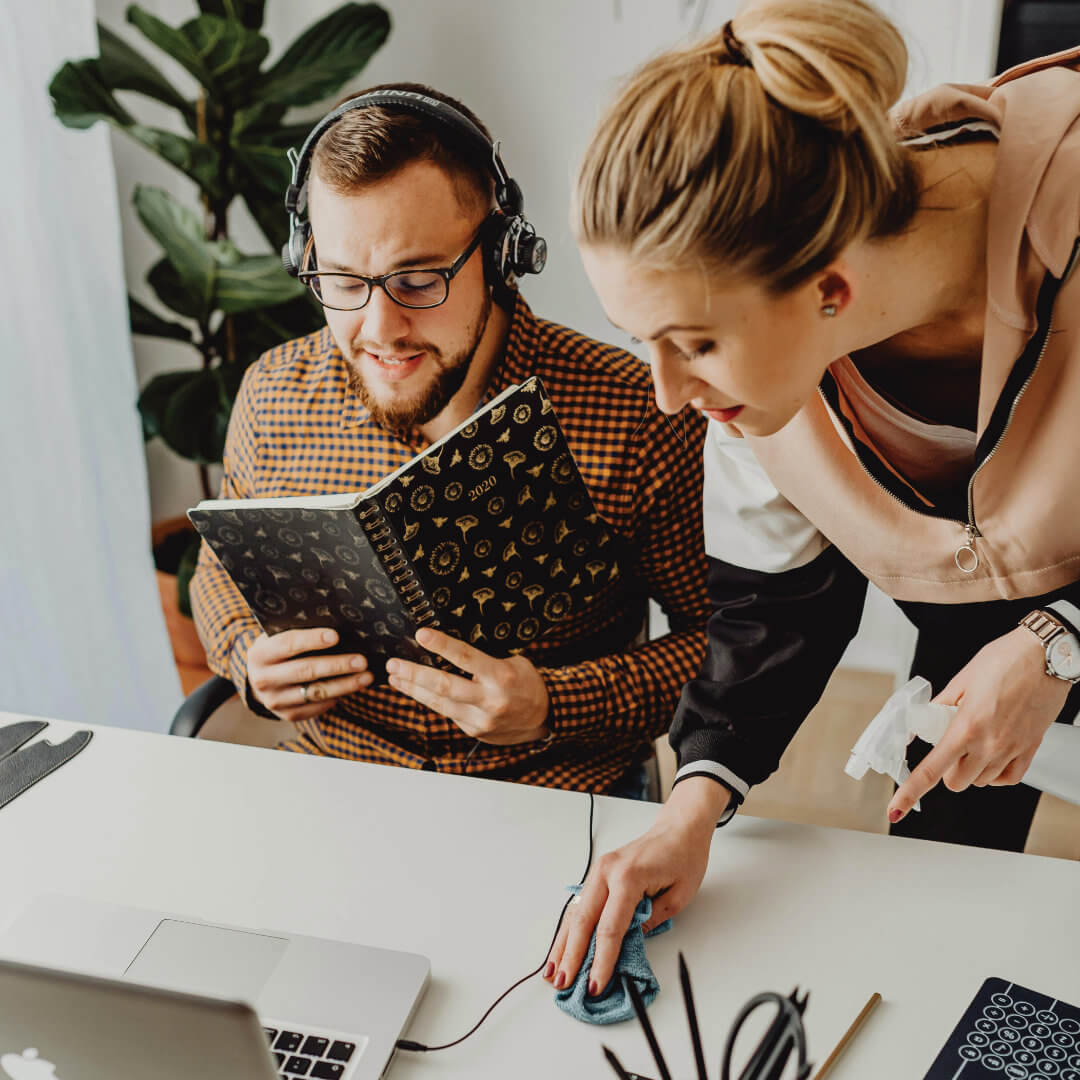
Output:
x,y
511,247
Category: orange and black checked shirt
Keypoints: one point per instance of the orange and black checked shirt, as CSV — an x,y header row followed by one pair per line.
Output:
x,y
297,429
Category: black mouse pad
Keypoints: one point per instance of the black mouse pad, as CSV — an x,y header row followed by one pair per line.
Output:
x,y
1012,1033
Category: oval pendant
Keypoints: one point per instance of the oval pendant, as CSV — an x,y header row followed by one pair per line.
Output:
x,y
966,559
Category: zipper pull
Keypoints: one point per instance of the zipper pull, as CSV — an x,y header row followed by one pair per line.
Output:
x,y
966,557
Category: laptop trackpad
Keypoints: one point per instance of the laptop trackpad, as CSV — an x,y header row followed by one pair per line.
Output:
x,y
209,960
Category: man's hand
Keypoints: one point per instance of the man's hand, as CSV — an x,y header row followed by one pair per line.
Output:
x,y
504,703
667,863
295,688
1006,704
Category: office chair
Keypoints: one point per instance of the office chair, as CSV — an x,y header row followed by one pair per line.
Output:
x,y
199,705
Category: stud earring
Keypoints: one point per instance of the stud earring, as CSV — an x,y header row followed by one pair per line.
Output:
x,y
829,310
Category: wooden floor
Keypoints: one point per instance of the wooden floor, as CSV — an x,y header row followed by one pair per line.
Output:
x,y
810,786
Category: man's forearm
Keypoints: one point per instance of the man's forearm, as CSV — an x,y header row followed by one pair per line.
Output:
x,y
627,693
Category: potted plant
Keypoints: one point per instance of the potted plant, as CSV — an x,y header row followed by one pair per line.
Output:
x,y
230,306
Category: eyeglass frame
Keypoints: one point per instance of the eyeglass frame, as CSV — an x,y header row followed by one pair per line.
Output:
x,y
447,273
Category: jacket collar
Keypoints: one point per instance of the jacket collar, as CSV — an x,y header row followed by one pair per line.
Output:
x,y
1032,107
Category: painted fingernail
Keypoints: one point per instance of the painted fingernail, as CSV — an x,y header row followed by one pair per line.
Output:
x,y
592,988
560,980
895,816
549,969
329,637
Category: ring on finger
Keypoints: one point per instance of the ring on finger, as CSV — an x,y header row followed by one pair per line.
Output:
x,y
303,692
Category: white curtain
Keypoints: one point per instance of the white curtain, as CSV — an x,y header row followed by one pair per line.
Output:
x,y
81,631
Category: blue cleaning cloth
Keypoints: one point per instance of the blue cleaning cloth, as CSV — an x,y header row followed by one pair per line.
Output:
x,y
613,1005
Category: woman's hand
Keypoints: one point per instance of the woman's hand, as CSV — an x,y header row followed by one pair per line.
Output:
x,y
666,863
296,687
1006,704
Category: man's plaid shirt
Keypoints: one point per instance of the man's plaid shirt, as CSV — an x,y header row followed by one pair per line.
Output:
x,y
297,429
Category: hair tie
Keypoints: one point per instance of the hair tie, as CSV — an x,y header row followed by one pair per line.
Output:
x,y
736,50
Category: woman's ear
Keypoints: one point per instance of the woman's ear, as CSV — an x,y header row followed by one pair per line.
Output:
x,y
833,287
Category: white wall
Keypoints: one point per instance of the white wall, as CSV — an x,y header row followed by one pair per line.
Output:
x,y
538,74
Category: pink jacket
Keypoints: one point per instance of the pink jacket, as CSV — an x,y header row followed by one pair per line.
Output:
x,y
1019,532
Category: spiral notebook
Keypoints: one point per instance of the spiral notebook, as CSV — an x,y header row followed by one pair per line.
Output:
x,y
490,534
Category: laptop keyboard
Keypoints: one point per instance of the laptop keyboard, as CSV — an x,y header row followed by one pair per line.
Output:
x,y
306,1055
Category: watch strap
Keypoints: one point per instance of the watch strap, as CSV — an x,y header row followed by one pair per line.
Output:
x,y
1043,625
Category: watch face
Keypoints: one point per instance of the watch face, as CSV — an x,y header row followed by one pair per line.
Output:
x,y
1063,656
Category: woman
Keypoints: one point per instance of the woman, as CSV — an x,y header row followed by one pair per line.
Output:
x,y
879,316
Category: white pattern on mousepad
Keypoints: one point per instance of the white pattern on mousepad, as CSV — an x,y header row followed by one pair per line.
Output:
x,y
1012,1033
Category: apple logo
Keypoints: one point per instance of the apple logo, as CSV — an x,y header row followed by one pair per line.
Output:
x,y
28,1066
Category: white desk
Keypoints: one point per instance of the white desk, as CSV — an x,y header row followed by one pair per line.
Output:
x,y
471,873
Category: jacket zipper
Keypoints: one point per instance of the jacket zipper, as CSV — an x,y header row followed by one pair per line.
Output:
x,y
972,528
965,556
888,491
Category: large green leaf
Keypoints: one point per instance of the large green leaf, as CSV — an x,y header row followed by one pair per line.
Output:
x,y
123,68
155,398
170,289
211,275
248,12
180,232
254,332
255,281
325,56
257,122
195,414
195,159
262,172
144,321
223,55
81,97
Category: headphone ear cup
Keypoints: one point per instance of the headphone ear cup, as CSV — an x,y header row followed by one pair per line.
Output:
x,y
292,251
496,269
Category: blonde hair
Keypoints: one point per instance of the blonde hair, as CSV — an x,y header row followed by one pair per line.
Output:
x,y
764,149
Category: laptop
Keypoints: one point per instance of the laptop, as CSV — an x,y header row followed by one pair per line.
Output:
x,y
326,1010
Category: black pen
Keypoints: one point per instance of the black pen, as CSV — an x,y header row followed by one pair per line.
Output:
x,y
643,1019
691,1017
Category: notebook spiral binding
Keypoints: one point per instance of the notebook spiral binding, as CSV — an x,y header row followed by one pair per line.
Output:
x,y
381,537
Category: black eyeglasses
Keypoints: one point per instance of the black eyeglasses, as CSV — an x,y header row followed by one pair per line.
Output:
x,y
409,288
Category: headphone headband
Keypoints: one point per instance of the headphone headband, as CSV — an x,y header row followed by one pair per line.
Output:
x,y
514,249
408,100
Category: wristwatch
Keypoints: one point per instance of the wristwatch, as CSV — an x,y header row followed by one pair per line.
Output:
x,y
1061,645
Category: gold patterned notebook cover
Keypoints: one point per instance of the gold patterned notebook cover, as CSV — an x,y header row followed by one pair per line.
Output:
x,y
490,534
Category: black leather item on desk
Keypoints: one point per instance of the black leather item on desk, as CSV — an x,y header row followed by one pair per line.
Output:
x,y
12,736
25,768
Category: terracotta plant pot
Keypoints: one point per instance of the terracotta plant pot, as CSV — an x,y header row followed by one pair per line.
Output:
x,y
187,649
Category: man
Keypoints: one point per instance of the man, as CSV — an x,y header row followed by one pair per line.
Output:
x,y
394,187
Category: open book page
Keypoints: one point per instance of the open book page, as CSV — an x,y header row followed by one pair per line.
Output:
x,y
351,499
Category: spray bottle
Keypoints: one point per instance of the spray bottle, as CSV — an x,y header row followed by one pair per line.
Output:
x,y
1055,768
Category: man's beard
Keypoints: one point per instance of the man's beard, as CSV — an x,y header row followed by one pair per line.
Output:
x,y
402,418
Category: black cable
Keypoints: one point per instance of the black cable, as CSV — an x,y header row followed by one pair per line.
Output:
x,y
408,1044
